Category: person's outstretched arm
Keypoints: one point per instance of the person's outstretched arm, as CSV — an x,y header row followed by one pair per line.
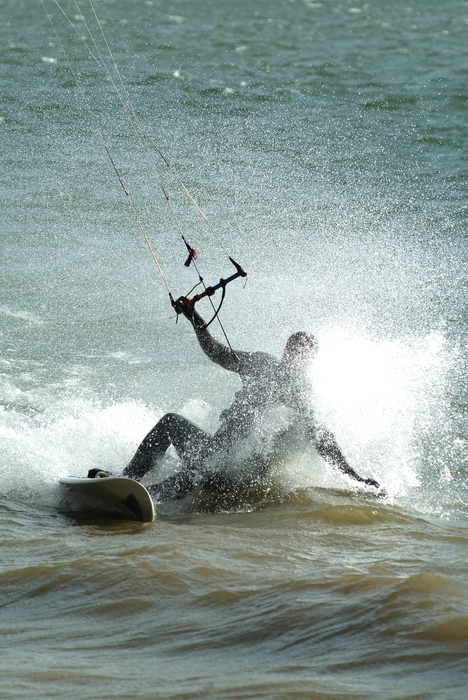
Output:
x,y
216,351
328,449
245,363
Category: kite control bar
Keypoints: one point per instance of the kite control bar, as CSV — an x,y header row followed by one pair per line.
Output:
x,y
209,291
183,304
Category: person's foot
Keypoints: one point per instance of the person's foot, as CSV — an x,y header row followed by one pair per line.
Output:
x,y
97,474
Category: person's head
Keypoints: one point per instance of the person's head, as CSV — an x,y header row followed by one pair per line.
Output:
x,y
300,348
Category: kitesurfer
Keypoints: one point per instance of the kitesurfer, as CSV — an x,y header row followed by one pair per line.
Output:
x,y
266,382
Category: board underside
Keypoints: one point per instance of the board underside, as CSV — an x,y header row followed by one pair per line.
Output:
x,y
110,496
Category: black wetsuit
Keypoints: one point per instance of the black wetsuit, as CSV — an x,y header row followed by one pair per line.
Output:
x,y
266,382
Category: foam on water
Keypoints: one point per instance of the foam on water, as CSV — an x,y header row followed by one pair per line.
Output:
x,y
70,437
383,399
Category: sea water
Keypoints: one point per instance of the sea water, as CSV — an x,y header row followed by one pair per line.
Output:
x,y
326,144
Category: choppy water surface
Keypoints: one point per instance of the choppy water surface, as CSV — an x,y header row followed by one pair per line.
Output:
x,y
326,143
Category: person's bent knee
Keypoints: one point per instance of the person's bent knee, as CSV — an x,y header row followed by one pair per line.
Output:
x,y
172,419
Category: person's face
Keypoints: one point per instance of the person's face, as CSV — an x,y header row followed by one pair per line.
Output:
x,y
299,355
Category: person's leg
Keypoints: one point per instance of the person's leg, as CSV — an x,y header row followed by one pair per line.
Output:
x,y
227,482
174,487
187,439
193,446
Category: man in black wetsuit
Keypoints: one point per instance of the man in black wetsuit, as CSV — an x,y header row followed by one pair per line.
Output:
x,y
266,382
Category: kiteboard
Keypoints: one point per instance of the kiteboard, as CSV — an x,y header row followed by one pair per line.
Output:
x,y
111,496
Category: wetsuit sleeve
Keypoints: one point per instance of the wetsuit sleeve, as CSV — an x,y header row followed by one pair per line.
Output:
x,y
216,351
328,449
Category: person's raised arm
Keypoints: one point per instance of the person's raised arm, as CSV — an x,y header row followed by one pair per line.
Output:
x,y
216,351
